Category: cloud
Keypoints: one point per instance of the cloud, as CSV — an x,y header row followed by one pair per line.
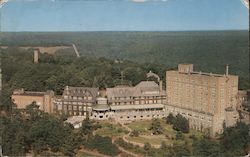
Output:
x,y
246,3
2,2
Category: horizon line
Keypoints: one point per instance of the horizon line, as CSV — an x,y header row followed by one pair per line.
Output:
x,y
127,31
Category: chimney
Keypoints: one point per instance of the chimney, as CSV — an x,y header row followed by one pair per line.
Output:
x,y
160,84
36,56
227,68
67,90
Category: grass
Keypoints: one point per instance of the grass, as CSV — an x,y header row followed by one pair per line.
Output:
x,y
153,140
145,135
168,135
143,127
108,129
83,154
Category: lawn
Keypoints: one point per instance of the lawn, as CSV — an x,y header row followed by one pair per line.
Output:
x,y
168,136
145,135
153,140
108,129
143,127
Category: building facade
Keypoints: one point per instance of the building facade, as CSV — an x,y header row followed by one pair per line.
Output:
x,y
207,100
243,106
76,101
101,110
24,98
144,101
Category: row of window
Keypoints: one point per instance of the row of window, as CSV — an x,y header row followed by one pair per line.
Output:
x,y
72,103
147,116
137,98
78,97
71,107
72,113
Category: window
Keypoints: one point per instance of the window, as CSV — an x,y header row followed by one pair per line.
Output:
x,y
59,107
75,107
80,108
64,107
69,107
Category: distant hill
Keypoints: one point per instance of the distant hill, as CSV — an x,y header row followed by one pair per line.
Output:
x,y
208,50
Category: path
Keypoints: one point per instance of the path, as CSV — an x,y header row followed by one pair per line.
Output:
x,y
124,137
94,153
76,51
121,148
124,150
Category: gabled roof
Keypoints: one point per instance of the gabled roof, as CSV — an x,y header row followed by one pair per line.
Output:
x,y
120,91
148,84
80,91
144,88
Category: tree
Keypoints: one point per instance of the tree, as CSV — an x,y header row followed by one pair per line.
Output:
x,y
179,136
134,133
147,147
181,150
163,145
72,143
170,118
88,127
206,147
103,145
33,111
156,127
181,124
235,140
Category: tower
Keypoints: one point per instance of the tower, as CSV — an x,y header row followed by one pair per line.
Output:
x,y
36,56
227,69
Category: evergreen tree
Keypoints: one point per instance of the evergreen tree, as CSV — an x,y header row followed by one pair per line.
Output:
x,y
156,127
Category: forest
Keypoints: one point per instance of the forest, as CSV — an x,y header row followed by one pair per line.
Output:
x,y
209,51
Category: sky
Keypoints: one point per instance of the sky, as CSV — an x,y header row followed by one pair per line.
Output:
x,y
123,15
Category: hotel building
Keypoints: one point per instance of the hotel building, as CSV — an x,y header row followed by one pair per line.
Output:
x,y
76,101
43,99
207,100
